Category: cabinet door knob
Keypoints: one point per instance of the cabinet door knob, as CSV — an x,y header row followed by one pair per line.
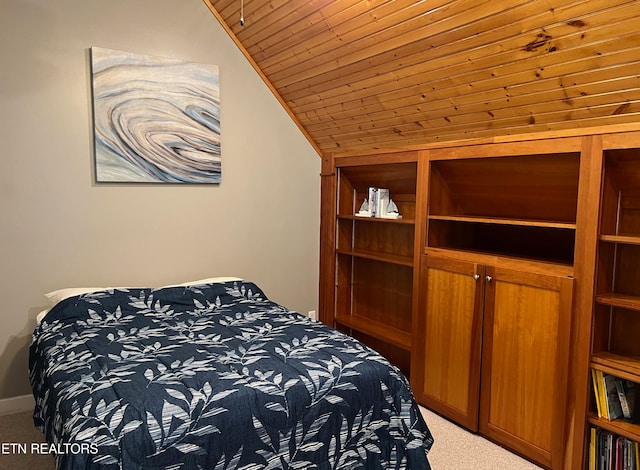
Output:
x,y
476,276
488,279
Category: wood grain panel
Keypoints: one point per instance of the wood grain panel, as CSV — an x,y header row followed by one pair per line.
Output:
x,y
419,78
385,37
326,291
384,237
486,98
451,326
525,361
467,48
480,58
381,29
381,293
542,187
292,38
368,74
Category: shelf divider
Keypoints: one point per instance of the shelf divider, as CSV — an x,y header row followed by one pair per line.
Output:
x,y
617,426
627,239
378,330
503,221
378,219
627,367
384,257
630,302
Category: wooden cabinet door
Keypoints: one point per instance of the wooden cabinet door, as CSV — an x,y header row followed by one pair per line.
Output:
x,y
446,367
525,362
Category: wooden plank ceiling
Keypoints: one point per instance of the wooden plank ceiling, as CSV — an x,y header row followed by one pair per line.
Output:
x,y
366,74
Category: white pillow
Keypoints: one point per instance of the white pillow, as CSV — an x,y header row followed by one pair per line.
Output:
x,y
209,280
41,316
59,295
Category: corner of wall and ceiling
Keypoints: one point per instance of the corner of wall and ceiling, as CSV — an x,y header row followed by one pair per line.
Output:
x,y
262,75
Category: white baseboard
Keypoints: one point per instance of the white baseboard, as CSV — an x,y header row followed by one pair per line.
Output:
x,y
9,406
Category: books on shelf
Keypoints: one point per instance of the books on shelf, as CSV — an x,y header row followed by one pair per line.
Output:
x,y
614,397
378,201
597,392
608,451
626,394
614,409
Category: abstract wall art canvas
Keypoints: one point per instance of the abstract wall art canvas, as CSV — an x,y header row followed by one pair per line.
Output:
x,y
156,120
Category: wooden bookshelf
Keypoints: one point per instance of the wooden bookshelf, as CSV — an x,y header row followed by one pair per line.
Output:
x,y
500,247
374,258
615,347
514,270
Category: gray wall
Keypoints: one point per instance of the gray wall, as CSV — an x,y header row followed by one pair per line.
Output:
x,y
60,229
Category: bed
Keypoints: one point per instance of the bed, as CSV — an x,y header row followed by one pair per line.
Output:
x,y
214,375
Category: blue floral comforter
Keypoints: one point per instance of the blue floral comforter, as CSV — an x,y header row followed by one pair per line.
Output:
x,y
215,376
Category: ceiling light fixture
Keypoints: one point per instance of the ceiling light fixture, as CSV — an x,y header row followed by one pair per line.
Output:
x,y
241,12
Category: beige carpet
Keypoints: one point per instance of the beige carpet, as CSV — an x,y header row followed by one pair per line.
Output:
x,y
19,429
455,448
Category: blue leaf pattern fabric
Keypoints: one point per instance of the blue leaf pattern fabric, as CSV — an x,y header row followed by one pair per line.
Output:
x,y
215,376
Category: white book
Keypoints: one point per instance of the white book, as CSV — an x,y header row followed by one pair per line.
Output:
x,y
373,201
382,202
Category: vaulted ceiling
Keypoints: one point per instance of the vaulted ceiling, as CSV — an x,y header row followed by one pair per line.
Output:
x,y
367,74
